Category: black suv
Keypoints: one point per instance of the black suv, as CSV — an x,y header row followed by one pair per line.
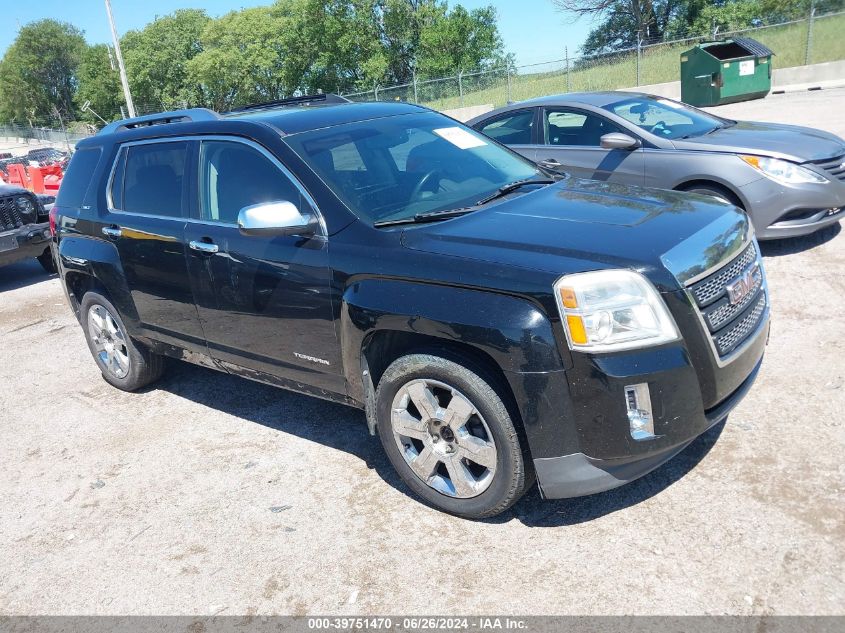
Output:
x,y
24,230
494,324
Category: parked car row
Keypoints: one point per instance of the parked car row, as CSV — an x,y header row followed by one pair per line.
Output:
x,y
789,179
500,323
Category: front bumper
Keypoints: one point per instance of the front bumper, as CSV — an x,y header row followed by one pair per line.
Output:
x,y
26,242
577,475
781,211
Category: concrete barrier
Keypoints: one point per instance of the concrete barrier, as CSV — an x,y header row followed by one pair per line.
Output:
x,y
470,112
827,75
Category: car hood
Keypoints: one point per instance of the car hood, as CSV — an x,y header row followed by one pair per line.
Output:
x,y
580,225
791,142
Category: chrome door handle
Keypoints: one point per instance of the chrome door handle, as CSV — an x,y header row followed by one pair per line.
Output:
x,y
550,162
203,247
112,231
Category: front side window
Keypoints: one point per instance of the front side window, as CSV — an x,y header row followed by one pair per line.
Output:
x,y
234,175
512,129
151,176
574,127
666,118
408,164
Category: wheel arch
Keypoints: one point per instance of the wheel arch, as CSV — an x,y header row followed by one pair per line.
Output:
x,y
732,192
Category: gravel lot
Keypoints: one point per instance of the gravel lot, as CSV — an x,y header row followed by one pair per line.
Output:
x,y
210,494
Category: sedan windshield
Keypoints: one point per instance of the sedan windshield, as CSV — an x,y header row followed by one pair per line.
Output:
x,y
666,118
399,167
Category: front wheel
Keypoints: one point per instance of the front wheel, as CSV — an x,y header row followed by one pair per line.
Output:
x,y
450,436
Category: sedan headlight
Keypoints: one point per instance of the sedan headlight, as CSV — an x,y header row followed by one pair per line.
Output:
x,y
611,310
784,171
25,205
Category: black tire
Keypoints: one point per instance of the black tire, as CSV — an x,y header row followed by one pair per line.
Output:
x,y
714,191
144,366
513,473
47,262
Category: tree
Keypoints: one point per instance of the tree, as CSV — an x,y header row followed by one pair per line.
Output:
x,y
99,83
157,60
38,71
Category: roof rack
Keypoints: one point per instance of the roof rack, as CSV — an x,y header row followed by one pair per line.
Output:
x,y
161,118
316,99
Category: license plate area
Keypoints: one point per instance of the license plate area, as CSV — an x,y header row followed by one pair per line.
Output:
x,y
8,243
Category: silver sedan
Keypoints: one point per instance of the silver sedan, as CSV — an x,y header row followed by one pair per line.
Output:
x,y
789,179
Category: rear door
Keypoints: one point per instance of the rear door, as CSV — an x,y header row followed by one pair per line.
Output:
x,y
264,301
572,144
148,201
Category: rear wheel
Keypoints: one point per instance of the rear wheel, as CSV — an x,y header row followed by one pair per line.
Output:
x,y
450,437
124,363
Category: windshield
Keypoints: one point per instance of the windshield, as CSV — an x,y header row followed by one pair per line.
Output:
x,y
666,118
398,167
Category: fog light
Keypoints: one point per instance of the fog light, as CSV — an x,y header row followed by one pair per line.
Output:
x,y
638,403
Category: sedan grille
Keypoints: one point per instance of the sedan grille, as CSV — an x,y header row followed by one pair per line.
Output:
x,y
10,216
732,301
835,167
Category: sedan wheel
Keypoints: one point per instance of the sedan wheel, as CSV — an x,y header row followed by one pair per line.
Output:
x,y
443,438
109,341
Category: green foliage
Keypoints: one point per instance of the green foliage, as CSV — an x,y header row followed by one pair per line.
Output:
x,y
38,71
99,84
157,59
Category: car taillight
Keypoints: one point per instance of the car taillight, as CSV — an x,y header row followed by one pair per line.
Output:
x,y
54,212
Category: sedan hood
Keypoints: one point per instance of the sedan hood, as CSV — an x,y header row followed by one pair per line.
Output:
x,y
579,225
791,142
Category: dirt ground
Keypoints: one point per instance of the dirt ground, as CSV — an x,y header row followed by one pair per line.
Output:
x,y
210,494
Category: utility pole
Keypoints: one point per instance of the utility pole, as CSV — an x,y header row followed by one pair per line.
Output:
x,y
123,79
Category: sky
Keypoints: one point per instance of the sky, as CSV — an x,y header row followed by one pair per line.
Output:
x,y
531,29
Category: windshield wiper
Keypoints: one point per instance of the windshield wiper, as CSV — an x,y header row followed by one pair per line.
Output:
x,y
431,216
510,188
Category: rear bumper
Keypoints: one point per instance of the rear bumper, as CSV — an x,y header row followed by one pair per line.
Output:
x,y
577,475
24,243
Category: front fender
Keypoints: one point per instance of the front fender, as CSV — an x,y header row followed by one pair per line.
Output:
x,y
515,333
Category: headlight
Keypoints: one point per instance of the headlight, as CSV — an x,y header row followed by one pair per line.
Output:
x,y
25,205
610,310
783,171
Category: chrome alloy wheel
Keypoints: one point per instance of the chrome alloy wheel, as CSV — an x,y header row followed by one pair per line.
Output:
x,y
443,438
109,341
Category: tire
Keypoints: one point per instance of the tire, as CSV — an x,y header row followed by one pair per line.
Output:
x,y
47,262
459,450
123,363
714,191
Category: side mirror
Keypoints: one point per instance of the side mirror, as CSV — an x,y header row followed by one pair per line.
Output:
x,y
275,218
617,140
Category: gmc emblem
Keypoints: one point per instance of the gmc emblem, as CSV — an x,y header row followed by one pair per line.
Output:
x,y
743,285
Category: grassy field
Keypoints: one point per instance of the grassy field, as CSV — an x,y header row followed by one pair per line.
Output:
x,y
659,64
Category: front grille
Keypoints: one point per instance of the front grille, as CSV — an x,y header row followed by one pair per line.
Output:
x,y
10,217
711,288
730,321
728,341
833,166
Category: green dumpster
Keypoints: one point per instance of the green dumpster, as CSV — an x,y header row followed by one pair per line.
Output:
x,y
726,71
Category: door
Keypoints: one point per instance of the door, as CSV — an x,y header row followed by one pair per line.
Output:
x,y
572,144
516,129
264,301
147,197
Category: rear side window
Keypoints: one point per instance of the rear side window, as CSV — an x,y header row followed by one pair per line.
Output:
x,y
148,179
78,178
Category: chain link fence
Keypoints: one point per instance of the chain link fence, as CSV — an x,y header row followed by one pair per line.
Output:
x,y
815,39
812,40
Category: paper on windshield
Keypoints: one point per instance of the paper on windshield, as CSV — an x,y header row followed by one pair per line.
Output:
x,y
670,104
460,137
